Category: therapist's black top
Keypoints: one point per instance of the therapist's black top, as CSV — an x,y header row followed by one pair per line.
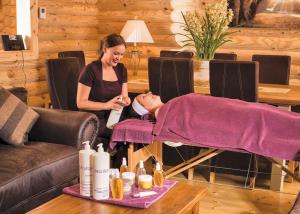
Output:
x,y
102,90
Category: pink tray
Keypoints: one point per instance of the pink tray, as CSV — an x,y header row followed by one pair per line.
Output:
x,y
128,200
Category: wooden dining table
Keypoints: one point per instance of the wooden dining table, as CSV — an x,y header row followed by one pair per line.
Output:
x,y
284,96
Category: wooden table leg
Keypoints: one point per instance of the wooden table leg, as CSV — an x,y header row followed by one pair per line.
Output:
x,y
291,167
196,208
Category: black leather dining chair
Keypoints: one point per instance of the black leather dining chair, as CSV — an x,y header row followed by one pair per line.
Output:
x,y
273,69
77,54
171,77
62,77
226,56
176,54
236,80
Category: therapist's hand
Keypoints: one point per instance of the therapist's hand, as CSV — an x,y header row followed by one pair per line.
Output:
x,y
126,101
114,104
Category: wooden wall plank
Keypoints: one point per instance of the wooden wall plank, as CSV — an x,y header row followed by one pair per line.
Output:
x,y
70,21
146,15
129,5
63,45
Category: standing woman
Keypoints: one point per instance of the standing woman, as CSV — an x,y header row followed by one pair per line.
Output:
x,y
102,82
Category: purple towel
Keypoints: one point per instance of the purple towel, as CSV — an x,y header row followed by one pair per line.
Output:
x,y
128,200
127,131
227,124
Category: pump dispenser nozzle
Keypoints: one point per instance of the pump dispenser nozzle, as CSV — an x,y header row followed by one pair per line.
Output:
x,y
100,147
157,166
86,145
124,162
123,167
141,164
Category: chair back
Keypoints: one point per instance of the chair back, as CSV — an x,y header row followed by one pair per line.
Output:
x,y
77,54
226,56
273,69
170,77
62,77
176,54
234,79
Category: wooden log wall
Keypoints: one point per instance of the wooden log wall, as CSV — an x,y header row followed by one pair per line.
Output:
x,y
1,17
113,15
7,17
69,25
79,24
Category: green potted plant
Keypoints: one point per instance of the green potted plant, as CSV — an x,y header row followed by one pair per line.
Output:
x,y
206,32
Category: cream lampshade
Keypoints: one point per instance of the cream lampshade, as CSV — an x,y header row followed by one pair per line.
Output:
x,y
135,31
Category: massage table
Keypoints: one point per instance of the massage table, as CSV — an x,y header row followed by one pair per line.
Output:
x,y
217,124
135,131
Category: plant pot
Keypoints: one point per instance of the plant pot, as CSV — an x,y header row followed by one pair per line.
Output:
x,y
201,72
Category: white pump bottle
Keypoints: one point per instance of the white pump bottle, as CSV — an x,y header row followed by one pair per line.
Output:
x,y
100,163
85,169
114,117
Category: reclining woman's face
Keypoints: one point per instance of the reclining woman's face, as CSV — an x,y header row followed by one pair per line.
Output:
x,y
149,101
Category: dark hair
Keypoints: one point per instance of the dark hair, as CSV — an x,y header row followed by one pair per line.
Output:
x,y
133,114
109,41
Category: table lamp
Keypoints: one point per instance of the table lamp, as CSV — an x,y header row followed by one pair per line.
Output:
x,y
135,31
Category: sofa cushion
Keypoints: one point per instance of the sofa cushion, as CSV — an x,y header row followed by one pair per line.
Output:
x,y
30,170
16,118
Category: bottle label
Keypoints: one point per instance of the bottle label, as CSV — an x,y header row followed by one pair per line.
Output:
x,y
85,180
101,184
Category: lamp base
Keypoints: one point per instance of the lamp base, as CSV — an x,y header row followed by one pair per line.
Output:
x,y
135,61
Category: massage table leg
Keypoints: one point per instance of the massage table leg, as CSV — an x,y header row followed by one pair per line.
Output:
x,y
277,176
192,162
253,164
212,170
190,174
291,167
154,149
280,166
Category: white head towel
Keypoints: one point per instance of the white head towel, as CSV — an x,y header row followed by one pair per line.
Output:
x,y
138,108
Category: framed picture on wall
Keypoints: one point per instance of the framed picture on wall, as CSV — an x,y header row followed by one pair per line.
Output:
x,y
266,13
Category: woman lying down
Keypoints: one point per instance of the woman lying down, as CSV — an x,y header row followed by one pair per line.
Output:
x,y
216,122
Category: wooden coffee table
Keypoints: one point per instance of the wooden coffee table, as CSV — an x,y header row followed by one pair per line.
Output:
x,y
184,197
